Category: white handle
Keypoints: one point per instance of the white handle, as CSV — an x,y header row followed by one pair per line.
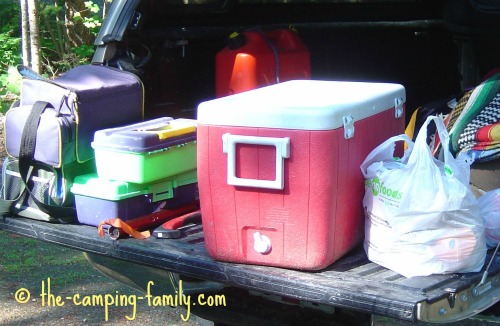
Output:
x,y
282,151
421,146
385,153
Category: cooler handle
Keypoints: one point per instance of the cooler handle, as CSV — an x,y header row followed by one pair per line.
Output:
x,y
282,151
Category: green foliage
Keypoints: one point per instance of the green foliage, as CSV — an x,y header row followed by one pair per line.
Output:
x,y
83,51
51,10
10,49
10,88
55,58
13,80
10,52
65,62
94,20
10,41
57,55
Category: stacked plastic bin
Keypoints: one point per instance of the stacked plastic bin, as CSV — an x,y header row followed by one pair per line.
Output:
x,y
141,168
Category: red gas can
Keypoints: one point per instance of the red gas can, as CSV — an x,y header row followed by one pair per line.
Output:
x,y
254,59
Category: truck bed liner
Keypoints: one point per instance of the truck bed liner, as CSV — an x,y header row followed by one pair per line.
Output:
x,y
352,282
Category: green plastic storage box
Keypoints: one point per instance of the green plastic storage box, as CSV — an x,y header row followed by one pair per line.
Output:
x,y
147,151
98,199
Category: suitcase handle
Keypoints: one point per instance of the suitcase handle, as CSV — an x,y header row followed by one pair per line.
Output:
x,y
282,151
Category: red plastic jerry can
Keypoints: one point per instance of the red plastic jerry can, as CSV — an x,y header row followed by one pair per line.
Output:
x,y
254,59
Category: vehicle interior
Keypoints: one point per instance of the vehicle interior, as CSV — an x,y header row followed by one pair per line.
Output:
x,y
435,49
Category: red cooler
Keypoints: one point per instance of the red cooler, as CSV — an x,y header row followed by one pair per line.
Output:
x,y
279,169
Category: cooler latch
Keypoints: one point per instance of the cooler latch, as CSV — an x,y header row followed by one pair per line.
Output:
x,y
398,107
348,122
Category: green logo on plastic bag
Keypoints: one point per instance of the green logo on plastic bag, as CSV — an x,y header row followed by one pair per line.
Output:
x,y
378,188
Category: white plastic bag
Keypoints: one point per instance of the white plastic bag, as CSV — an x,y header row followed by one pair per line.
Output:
x,y
489,204
421,216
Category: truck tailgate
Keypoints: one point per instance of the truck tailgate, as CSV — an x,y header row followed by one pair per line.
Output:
x,y
352,282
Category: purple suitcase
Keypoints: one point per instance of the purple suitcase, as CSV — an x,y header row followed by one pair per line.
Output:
x,y
84,99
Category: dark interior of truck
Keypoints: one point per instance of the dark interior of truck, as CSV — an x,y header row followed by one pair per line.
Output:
x,y
436,49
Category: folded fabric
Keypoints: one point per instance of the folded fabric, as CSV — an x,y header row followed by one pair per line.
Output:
x,y
457,111
482,108
489,133
487,146
484,155
490,114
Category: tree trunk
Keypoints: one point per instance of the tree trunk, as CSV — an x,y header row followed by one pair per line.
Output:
x,y
34,35
25,42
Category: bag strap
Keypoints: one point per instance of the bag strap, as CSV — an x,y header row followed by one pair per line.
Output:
x,y
122,226
26,163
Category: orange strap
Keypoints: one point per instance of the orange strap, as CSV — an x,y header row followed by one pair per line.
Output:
x,y
122,226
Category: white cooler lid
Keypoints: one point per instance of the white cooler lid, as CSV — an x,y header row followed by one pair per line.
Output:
x,y
302,104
